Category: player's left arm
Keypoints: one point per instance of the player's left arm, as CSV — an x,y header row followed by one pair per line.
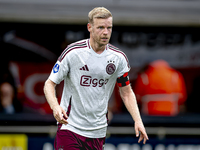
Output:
x,y
129,100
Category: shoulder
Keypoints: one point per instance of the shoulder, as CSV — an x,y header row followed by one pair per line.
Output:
x,y
116,50
78,44
74,47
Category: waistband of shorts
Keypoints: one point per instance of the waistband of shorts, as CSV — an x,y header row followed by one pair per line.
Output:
x,y
98,133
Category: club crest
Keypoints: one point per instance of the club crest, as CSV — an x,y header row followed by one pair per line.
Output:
x,y
110,68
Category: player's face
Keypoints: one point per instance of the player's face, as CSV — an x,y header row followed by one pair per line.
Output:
x,y
100,31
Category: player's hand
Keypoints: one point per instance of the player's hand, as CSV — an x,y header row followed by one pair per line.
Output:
x,y
60,114
141,132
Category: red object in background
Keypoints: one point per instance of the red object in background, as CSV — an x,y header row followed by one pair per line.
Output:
x,y
30,78
160,89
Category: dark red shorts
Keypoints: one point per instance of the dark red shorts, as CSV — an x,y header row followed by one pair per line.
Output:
x,y
68,140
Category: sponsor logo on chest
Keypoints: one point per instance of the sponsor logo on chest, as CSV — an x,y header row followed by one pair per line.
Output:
x,y
88,80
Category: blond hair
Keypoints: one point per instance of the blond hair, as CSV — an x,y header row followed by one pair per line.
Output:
x,y
98,12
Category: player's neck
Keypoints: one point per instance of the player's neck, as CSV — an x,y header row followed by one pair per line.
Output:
x,y
97,48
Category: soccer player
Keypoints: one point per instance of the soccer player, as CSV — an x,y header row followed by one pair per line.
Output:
x,y
90,69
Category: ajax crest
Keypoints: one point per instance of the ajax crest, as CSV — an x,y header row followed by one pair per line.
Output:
x,y
110,68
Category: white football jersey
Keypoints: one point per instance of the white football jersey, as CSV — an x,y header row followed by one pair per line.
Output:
x,y
89,80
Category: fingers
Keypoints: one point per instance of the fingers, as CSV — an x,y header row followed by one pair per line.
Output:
x,y
60,115
141,133
144,141
144,137
63,121
64,114
137,132
140,138
64,117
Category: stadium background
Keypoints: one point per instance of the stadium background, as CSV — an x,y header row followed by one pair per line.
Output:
x,y
33,33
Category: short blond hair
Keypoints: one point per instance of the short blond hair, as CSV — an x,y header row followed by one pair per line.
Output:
x,y
98,12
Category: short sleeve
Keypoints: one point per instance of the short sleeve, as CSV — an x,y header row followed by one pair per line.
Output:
x,y
123,65
59,71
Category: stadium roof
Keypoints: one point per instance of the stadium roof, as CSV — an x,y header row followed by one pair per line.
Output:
x,y
125,12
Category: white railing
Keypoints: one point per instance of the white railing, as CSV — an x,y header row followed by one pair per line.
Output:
x,y
51,130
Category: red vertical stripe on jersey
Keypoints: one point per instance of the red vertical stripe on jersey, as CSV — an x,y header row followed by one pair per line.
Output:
x,y
89,43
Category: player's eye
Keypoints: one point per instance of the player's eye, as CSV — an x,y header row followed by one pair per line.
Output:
x,y
101,27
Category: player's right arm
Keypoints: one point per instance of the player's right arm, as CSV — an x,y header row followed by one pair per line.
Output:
x,y
58,112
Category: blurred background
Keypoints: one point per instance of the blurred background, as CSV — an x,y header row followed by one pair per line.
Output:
x,y
161,40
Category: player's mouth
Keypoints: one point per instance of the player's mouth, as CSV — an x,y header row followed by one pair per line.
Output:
x,y
104,39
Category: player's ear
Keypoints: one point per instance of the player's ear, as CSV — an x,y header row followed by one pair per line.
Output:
x,y
89,27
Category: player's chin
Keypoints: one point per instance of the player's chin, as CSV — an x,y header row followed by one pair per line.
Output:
x,y
105,41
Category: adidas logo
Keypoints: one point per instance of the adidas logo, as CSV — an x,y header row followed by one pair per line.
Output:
x,y
85,68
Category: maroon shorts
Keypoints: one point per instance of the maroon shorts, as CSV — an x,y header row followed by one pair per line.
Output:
x,y
68,140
